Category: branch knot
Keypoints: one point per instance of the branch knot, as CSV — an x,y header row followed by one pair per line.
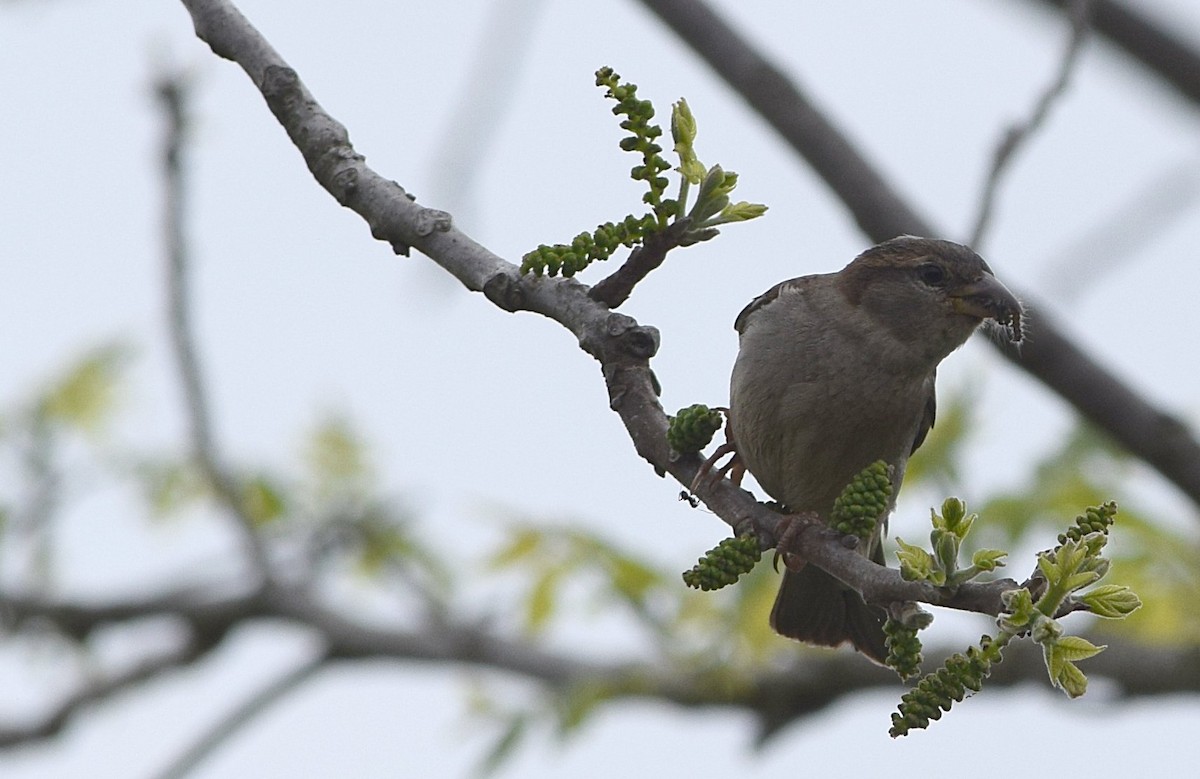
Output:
x,y
505,290
281,84
430,220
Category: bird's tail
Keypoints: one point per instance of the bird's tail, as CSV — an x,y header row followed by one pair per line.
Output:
x,y
816,608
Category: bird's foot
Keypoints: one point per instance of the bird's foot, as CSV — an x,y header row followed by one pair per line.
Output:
x,y
709,474
788,529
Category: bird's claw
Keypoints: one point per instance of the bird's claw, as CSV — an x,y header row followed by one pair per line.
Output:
x,y
709,474
789,526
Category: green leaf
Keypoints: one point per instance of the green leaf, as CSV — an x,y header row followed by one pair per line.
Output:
x,y
85,395
632,579
1080,580
1020,611
508,741
915,563
683,125
1061,656
1094,543
1072,681
962,526
577,703
1045,630
542,599
1018,601
1049,568
262,501
1076,648
692,170
741,211
381,541
525,542
988,559
713,195
171,486
1112,601
683,131
1068,558
336,459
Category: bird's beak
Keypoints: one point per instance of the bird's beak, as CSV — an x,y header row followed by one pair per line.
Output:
x,y
987,298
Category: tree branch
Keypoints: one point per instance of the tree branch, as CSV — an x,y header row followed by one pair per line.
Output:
x,y
785,696
615,289
1019,133
882,585
77,621
1174,59
777,696
52,723
1157,437
171,91
240,716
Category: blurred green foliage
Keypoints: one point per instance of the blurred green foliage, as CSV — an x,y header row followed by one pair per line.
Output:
x,y
330,504
84,396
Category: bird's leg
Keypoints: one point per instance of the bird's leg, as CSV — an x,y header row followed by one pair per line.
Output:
x,y
709,474
789,526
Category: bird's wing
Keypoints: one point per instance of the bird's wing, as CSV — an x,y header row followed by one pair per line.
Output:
x,y
739,324
928,414
797,285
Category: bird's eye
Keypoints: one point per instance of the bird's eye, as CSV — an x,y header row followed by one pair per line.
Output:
x,y
932,274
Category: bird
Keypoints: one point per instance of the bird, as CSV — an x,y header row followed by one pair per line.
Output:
x,y
836,371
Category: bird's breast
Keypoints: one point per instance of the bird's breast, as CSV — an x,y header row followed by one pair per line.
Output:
x,y
810,411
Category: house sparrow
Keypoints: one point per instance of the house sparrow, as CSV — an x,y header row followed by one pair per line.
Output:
x,y
836,371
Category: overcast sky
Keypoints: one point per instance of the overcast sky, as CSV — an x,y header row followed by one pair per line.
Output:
x,y
301,314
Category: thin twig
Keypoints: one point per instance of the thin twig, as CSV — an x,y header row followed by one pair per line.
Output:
x,y
172,94
1169,55
52,723
1019,133
236,719
614,289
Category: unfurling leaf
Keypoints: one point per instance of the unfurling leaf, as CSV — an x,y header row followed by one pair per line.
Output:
x,y
988,559
1113,601
915,563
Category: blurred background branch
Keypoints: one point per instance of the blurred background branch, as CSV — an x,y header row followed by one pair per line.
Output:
x,y
1168,55
172,92
1019,133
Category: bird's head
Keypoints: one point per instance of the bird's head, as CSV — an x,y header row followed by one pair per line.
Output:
x,y
929,292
